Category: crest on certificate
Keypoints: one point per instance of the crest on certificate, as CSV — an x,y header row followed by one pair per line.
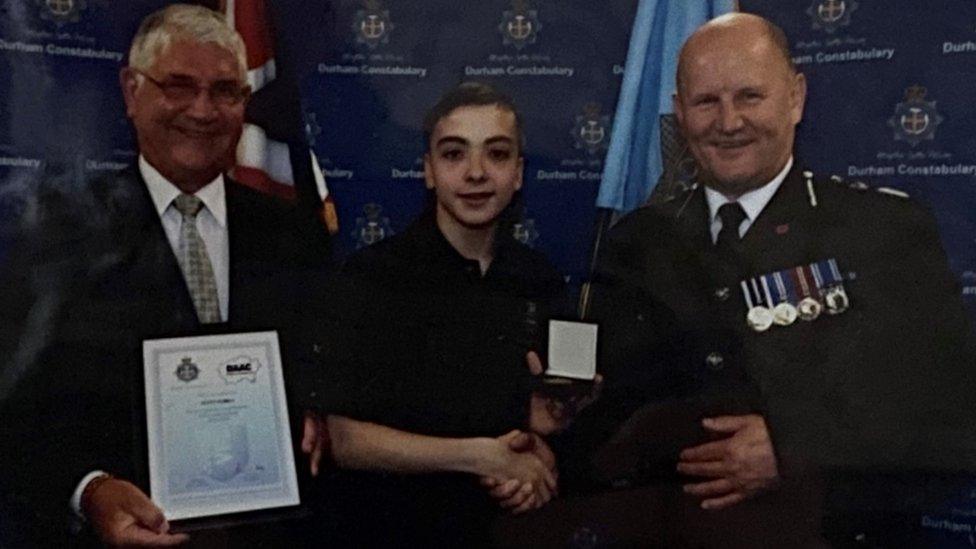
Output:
x,y
187,371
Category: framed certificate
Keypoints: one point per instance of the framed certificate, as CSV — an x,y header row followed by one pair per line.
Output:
x,y
219,440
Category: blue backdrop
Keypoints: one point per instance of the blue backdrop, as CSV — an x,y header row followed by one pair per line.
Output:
x,y
890,102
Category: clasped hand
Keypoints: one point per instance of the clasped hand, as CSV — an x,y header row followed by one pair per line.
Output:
x,y
523,474
736,467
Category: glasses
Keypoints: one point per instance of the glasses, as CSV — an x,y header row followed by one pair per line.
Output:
x,y
223,93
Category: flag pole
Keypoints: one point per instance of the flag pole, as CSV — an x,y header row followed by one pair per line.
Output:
x,y
603,222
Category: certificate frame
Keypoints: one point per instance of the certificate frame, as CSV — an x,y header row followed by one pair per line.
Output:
x,y
217,422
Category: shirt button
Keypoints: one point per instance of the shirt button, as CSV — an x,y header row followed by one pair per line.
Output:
x,y
722,294
715,361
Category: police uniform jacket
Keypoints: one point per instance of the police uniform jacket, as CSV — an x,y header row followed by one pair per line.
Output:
x,y
882,386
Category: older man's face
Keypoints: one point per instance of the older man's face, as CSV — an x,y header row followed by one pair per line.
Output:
x,y
186,124
738,105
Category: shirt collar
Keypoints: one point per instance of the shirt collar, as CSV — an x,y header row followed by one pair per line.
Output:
x,y
163,192
436,246
753,201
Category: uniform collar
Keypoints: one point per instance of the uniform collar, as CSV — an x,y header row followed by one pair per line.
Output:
x,y
434,246
754,201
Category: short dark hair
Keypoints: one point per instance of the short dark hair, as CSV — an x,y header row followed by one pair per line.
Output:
x,y
468,94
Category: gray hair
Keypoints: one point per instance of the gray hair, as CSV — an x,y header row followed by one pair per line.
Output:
x,y
184,22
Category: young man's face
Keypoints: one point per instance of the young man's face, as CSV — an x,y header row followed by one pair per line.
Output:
x,y
474,166
191,139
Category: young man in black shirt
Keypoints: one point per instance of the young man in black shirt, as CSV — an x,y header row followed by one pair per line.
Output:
x,y
429,384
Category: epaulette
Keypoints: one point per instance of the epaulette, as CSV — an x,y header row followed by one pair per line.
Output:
x,y
892,192
856,185
808,176
682,190
862,186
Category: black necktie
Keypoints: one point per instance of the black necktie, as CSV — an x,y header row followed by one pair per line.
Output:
x,y
732,215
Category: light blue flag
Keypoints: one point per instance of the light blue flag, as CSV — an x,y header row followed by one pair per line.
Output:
x,y
634,165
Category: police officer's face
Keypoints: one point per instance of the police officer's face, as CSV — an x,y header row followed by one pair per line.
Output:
x,y
738,104
188,128
474,166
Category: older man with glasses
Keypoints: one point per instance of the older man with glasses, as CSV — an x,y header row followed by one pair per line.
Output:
x,y
170,246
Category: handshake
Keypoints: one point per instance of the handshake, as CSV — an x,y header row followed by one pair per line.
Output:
x,y
518,468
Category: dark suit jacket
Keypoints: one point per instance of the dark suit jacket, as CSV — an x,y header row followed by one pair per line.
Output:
x,y
884,386
97,278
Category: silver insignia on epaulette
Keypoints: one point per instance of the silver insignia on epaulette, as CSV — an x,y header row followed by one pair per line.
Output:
x,y
808,175
892,192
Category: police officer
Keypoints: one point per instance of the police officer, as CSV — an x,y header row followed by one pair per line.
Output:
x,y
797,327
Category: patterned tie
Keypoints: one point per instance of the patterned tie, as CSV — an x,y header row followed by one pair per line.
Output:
x,y
195,263
732,216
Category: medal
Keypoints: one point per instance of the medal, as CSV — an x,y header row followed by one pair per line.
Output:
x,y
784,314
808,308
759,318
831,289
835,298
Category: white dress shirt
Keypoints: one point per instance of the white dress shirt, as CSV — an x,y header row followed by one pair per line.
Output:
x,y
753,202
211,223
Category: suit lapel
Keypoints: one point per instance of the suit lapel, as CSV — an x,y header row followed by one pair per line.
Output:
x,y
145,253
247,229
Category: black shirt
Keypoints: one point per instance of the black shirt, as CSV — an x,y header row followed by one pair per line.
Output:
x,y
422,341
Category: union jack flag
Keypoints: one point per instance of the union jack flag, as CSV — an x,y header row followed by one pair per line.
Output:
x,y
273,154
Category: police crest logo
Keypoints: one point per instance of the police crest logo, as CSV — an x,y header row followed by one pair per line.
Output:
x,y
372,228
592,129
61,11
187,371
831,15
372,24
915,119
520,26
525,232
